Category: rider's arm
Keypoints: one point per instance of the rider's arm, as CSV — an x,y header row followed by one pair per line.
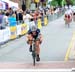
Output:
x,y
40,35
29,37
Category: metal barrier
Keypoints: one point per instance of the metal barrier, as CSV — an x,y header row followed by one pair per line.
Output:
x,y
54,16
12,31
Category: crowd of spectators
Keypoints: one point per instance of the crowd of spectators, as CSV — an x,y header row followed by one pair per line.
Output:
x,y
9,17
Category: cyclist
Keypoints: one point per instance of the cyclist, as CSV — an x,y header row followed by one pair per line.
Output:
x,y
34,32
68,17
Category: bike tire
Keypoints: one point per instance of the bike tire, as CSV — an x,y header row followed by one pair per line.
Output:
x,y
34,54
34,57
34,61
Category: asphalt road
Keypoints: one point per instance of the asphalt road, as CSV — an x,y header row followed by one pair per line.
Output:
x,y
56,39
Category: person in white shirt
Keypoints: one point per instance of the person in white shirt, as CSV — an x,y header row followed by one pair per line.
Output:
x,y
26,18
5,19
69,12
32,6
68,17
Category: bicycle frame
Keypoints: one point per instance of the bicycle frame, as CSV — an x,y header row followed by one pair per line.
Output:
x,y
33,51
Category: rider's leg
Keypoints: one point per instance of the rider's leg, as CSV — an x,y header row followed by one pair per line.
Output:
x,y
30,49
38,50
37,47
69,21
65,21
30,38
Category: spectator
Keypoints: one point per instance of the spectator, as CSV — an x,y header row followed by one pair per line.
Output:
x,y
32,6
19,16
36,15
5,19
10,11
26,18
12,20
1,19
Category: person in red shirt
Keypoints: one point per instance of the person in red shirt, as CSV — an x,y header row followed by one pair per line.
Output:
x,y
68,18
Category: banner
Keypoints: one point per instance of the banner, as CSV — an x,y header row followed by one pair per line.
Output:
x,y
6,5
6,34
23,29
11,3
13,34
45,21
18,29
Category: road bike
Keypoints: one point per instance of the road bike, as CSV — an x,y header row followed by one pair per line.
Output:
x,y
34,51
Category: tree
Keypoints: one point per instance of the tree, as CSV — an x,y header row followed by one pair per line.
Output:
x,y
59,2
62,2
73,2
54,3
69,2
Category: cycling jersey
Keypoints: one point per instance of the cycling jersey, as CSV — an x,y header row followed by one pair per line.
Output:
x,y
68,16
37,33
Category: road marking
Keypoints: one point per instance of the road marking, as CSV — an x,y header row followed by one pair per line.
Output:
x,y
70,46
50,65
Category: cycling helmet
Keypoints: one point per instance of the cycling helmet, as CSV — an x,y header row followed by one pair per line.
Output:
x,y
33,28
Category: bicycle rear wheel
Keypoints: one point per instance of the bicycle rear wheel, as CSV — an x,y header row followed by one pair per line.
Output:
x,y
34,61
34,57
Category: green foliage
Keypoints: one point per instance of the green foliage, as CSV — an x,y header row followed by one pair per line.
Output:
x,y
54,3
73,2
64,2
61,2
